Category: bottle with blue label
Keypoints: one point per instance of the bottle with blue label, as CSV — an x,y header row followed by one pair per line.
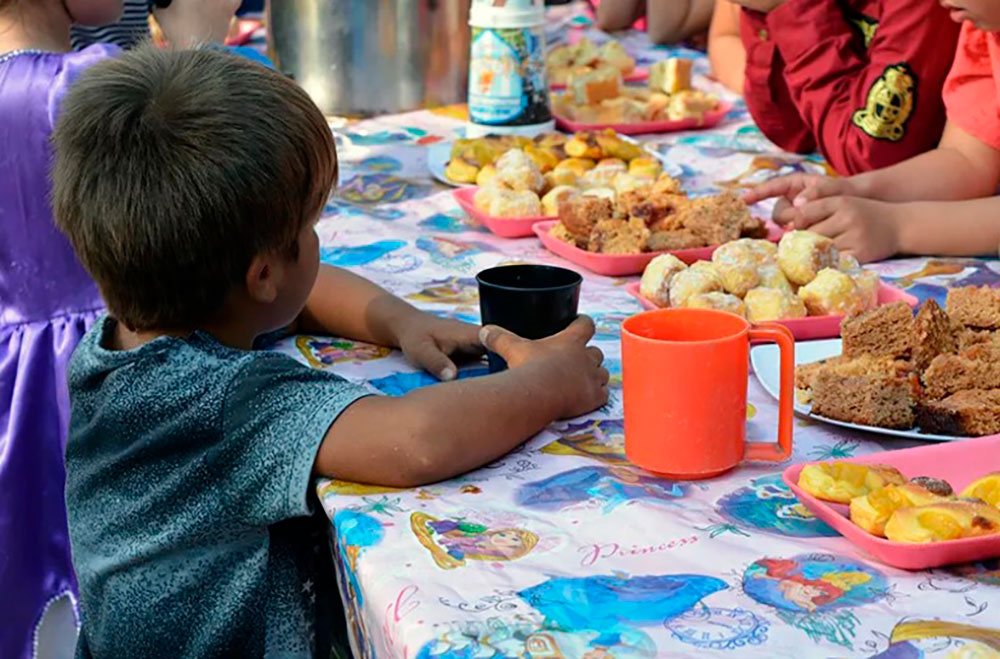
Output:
x,y
508,83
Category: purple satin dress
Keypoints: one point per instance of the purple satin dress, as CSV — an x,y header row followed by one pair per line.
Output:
x,y
47,303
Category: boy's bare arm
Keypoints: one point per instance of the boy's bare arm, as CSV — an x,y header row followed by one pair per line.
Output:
x,y
671,21
949,228
441,431
618,14
725,47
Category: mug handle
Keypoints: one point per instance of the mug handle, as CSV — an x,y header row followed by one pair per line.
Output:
x,y
781,451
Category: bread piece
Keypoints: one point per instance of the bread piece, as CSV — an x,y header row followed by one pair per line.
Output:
x,y
580,214
867,391
764,304
613,54
656,278
934,335
885,331
690,104
658,211
670,76
971,413
660,241
968,338
560,232
718,302
591,86
948,374
831,292
975,307
646,166
667,184
615,236
802,254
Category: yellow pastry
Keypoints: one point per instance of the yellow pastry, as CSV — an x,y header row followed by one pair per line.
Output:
x,y
583,145
460,171
601,193
604,173
943,521
717,301
483,198
986,488
519,172
746,251
842,481
802,254
578,166
514,203
558,177
655,282
546,159
614,54
737,279
871,511
771,276
831,292
645,166
486,175
550,202
690,282
765,304
848,263
613,146
628,182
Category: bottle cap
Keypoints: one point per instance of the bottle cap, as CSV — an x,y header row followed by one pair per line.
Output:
x,y
507,13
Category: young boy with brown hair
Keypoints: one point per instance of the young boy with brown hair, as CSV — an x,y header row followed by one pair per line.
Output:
x,y
191,455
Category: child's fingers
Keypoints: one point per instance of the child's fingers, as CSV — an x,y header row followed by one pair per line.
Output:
x,y
783,186
831,227
580,330
816,211
499,340
827,187
595,355
429,356
784,213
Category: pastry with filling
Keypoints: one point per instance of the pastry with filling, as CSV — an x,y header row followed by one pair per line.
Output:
x,y
656,278
802,254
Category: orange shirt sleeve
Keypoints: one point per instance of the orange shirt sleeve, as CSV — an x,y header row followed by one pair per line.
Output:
x,y
970,92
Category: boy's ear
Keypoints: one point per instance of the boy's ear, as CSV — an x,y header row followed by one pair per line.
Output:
x,y
263,279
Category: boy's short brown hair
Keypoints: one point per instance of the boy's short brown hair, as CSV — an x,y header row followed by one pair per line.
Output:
x,y
174,169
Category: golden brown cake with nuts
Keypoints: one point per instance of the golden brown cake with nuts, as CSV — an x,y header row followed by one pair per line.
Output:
x,y
948,374
934,334
867,391
885,331
975,307
973,412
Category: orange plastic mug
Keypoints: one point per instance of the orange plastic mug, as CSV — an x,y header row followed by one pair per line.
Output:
x,y
685,377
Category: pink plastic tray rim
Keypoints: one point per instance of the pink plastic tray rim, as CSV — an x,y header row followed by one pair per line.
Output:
x,y
957,462
638,75
643,127
505,227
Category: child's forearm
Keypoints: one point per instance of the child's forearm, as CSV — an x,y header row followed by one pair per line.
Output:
x,y
671,21
618,14
943,228
438,432
344,304
726,52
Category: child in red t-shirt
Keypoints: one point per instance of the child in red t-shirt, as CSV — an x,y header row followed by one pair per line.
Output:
x,y
941,202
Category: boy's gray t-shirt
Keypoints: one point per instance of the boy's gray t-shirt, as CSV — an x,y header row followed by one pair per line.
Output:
x,y
188,493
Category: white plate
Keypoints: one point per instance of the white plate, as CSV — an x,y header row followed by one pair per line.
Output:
x,y
764,359
439,153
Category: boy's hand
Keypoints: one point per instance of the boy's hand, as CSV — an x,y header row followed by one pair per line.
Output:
x,y
863,227
430,343
795,190
584,381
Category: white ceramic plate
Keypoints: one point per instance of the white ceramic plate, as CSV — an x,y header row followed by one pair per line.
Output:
x,y
439,153
764,359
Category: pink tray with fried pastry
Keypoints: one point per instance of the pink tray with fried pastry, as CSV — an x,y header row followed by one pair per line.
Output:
x,y
505,227
811,327
621,265
959,463
638,74
710,120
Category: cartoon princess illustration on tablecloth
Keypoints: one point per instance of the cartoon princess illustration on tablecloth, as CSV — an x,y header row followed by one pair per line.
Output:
x,y
454,290
453,542
320,352
812,583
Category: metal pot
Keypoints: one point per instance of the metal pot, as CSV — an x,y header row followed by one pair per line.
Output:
x,y
365,57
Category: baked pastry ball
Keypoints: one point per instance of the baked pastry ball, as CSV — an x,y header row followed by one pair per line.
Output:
x,y
514,203
746,251
645,166
868,284
628,182
483,198
765,304
485,175
601,193
519,172
848,263
737,279
655,282
558,177
802,254
771,276
831,292
578,166
604,173
550,202
708,268
690,282
717,301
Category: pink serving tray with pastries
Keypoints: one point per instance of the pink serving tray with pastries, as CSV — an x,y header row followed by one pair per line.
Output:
x,y
811,327
505,227
621,265
711,119
959,463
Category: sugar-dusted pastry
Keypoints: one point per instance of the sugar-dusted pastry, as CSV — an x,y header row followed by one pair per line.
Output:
x,y
690,104
613,53
514,203
765,304
771,276
591,86
842,481
552,199
936,522
671,75
871,511
655,282
483,198
519,172
646,166
986,488
717,301
746,251
708,268
832,292
802,254
616,236
604,173
692,282
485,175
737,278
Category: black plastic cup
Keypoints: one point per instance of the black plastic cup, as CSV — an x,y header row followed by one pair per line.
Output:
x,y
532,301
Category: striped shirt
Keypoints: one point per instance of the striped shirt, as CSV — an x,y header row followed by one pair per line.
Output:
x,y
130,30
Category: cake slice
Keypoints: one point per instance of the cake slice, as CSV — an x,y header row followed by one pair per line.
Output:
x,y
591,86
934,334
580,214
868,391
670,76
975,307
949,374
972,412
885,331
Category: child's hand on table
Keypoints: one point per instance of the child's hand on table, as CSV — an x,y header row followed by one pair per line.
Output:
x,y
566,353
795,190
866,228
431,343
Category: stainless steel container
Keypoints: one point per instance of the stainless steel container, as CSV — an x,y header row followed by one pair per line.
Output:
x,y
366,57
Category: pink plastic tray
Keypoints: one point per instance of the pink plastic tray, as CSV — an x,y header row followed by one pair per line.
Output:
x,y
505,227
638,75
621,265
959,463
813,327
642,127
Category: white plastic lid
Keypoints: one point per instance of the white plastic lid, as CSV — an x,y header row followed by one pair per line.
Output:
x,y
507,13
